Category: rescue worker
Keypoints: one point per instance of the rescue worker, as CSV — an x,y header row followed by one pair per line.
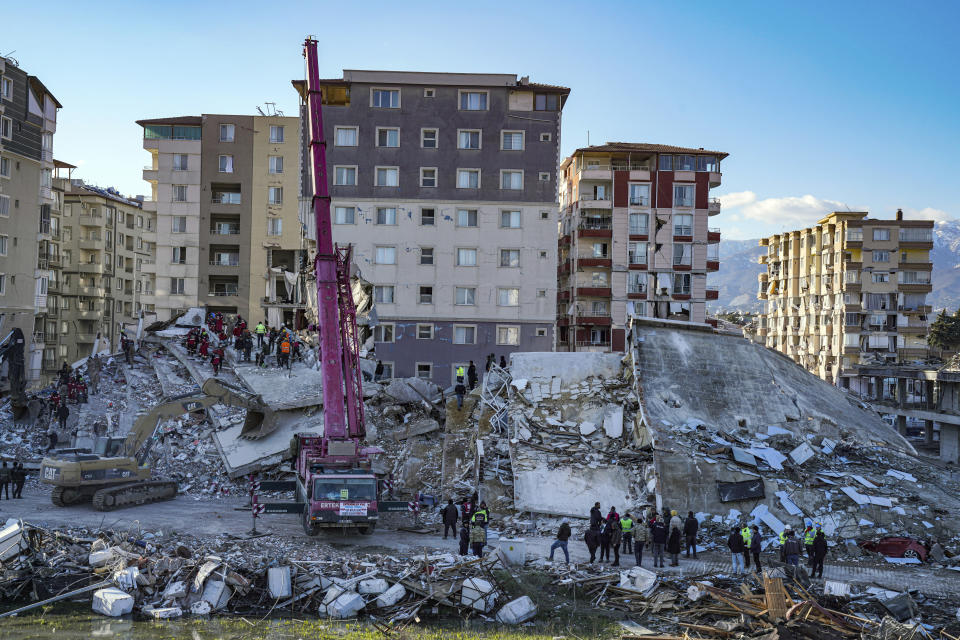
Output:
x,y
747,536
480,517
641,537
658,535
460,373
466,511
215,361
808,535
449,518
261,331
791,549
478,538
62,414
285,352
503,362
5,480
755,546
819,548
626,529
19,477
464,539
472,375
378,371
782,539
690,527
675,522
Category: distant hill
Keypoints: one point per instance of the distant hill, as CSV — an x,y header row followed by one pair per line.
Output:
x,y
738,284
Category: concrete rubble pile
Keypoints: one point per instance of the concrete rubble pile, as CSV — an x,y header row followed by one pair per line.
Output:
x,y
168,576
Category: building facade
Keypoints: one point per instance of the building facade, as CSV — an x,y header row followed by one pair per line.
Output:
x,y
224,193
445,185
847,293
28,122
634,239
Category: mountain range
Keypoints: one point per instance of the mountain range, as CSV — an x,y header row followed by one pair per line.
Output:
x,y
737,277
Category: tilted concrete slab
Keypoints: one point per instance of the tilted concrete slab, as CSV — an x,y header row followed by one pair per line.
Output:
x,y
301,388
569,367
570,490
243,455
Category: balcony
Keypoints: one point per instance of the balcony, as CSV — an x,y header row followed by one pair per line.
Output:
x,y
641,234
594,320
681,296
90,292
563,268
563,296
90,267
595,202
225,230
637,261
596,172
595,262
596,344
87,314
682,266
713,293
150,174
637,291
595,230
597,292
713,265
282,304
713,235
713,206
90,221
86,338
564,240
915,287
92,244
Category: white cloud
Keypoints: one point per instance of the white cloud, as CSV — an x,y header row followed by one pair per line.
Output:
x,y
928,213
737,199
791,210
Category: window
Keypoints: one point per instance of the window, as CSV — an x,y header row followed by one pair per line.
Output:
x,y
179,193
424,332
707,163
637,253
464,334
387,177
179,224
385,98
683,225
3,245
683,254
511,179
684,163
227,132
599,249
226,164
386,215
598,279
681,283
511,140
465,295
386,255
383,294
5,207
180,161
544,215
176,286
426,255
683,195
508,335
881,235
466,217
639,195
543,255
6,127
466,257
879,278
5,167
636,282
345,136
544,176
429,93
6,88
468,139
509,297
545,102
383,332
509,257
345,176
546,137
639,224
424,369
276,164
598,308
276,133
425,295
509,219
275,195
427,217
139,223
915,277
179,256
428,177
473,100
468,178
275,226
541,332
388,137
344,215
881,256
428,138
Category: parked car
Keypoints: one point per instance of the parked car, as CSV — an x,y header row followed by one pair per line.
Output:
x,y
897,547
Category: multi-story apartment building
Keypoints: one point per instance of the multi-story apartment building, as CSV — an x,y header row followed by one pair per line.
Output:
x,y
102,251
634,239
224,192
445,185
848,292
28,122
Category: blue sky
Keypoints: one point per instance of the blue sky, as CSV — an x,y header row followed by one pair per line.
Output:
x,y
821,105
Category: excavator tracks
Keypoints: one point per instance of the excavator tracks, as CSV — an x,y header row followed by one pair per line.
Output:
x,y
67,496
135,493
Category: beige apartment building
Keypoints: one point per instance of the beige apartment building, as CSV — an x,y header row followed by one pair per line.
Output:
x,y
224,196
635,239
847,293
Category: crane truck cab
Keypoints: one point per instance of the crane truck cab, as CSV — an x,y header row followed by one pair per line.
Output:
x,y
339,498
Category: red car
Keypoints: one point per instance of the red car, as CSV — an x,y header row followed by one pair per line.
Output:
x,y
897,547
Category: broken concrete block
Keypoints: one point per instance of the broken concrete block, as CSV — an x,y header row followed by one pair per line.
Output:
x,y
391,596
834,588
802,453
517,611
200,608
165,613
936,552
217,593
514,550
112,602
372,586
478,594
345,606
175,590
613,420
278,582
100,558
586,428
638,579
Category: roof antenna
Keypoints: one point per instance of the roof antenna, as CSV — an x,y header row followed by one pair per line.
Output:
x,y
588,137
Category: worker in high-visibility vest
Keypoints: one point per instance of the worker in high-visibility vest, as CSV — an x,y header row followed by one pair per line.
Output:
x,y
460,373
782,539
261,331
808,536
285,353
747,536
626,528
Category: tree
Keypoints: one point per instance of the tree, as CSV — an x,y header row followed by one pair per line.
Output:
x,y
944,332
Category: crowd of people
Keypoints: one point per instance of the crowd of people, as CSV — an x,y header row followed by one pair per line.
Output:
x,y
209,342
474,520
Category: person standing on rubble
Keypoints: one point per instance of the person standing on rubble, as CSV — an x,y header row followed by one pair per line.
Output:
x,y
466,511
673,541
596,518
737,550
19,477
378,371
472,375
613,515
478,538
5,480
481,518
62,414
690,527
641,536
791,549
626,528
819,548
808,536
461,391
563,535
503,362
261,331
658,534
592,540
755,546
449,518
747,534
464,539
616,536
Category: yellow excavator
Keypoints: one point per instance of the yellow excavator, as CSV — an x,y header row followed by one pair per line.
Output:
x,y
117,474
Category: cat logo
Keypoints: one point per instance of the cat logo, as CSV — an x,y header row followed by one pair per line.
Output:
x,y
192,406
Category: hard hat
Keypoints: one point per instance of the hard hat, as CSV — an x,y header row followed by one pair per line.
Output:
x,y
819,525
788,528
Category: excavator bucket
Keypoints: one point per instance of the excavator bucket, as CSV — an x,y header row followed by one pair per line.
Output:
x,y
258,424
